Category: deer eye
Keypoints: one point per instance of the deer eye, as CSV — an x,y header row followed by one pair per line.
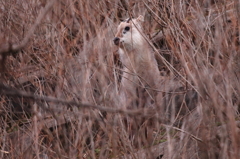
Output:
x,y
127,28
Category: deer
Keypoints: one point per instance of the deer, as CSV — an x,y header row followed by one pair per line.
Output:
x,y
140,78
140,74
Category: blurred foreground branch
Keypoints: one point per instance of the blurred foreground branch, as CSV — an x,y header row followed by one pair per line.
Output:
x,y
8,48
5,90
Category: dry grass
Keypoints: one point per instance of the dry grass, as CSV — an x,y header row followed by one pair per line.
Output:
x,y
60,76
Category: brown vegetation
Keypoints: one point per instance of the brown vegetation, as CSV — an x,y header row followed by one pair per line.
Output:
x,y
60,74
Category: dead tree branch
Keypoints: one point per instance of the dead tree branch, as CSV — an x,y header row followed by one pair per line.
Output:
x,y
6,90
8,48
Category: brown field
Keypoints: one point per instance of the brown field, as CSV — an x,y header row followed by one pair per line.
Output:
x,y
60,75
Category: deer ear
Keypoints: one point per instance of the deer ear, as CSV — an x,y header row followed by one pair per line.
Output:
x,y
140,18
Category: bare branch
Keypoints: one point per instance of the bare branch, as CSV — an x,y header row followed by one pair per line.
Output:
x,y
11,48
14,92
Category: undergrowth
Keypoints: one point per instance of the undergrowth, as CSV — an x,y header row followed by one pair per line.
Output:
x,y
60,77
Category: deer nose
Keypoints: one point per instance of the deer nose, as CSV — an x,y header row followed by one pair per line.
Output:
x,y
116,40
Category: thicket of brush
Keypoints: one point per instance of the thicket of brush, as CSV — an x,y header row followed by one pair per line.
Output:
x,y
60,75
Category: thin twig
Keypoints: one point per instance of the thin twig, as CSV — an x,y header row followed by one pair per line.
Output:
x,y
193,136
12,48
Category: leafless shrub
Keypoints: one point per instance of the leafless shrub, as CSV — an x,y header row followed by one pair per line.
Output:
x,y
60,75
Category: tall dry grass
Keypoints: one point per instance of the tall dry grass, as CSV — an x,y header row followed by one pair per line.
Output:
x,y
60,75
